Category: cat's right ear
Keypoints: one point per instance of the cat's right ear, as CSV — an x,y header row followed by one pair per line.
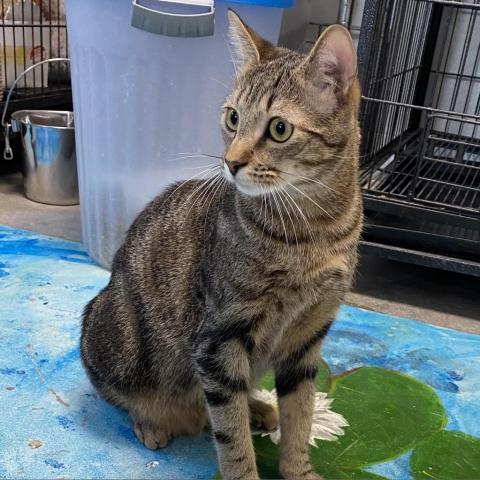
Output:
x,y
333,60
249,46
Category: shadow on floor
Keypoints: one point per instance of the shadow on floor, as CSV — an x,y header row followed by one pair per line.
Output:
x,y
421,287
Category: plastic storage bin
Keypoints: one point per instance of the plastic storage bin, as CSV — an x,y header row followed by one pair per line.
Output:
x,y
140,101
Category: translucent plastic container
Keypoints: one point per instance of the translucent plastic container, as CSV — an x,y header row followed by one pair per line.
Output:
x,y
142,101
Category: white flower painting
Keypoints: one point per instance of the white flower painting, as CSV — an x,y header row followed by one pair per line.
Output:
x,y
327,425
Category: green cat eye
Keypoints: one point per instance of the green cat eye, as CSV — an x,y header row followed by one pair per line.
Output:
x,y
280,130
232,119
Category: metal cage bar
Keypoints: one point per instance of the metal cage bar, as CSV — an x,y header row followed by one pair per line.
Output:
x,y
419,65
33,31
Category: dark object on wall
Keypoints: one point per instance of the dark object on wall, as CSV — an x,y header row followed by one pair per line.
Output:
x,y
419,65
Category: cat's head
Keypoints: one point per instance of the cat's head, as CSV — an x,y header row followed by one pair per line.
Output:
x,y
291,118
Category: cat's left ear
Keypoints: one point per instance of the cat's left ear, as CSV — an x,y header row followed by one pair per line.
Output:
x,y
249,46
333,60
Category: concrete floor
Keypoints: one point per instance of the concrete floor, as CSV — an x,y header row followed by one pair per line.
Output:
x,y
17,211
432,296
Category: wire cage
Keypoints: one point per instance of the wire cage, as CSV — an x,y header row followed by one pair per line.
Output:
x,y
349,15
419,66
420,72
32,31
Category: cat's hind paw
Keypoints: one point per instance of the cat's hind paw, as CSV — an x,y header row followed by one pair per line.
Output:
x,y
152,437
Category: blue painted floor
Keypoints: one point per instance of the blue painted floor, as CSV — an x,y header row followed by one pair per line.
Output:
x,y
53,425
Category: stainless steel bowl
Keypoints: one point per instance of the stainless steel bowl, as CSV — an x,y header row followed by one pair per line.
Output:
x,y
49,162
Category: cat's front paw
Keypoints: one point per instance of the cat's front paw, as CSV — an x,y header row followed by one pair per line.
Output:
x,y
263,416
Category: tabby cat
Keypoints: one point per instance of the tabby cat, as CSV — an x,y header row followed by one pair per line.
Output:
x,y
208,292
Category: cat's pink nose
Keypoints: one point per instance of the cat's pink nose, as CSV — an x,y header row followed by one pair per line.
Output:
x,y
234,166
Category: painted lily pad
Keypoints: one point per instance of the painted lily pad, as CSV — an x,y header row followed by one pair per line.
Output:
x,y
267,461
388,412
446,455
351,475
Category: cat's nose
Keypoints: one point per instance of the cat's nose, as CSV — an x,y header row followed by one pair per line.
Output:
x,y
234,166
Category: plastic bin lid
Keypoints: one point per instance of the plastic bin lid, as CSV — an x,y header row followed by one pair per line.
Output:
x,y
267,3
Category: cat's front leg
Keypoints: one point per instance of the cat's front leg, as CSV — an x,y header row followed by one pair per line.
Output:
x,y
296,395
295,372
224,371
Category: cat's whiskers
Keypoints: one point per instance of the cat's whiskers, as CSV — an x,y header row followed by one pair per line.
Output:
x,y
218,187
281,198
304,218
206,193
279,210
268,199
309,179
211,165
264,206
187,155
262,213
203,172
272,193
310,198
197,192
340,157
227,88
266,220
203,196
196,153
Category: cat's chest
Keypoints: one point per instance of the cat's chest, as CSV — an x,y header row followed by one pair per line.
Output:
x,y
295,281
282,304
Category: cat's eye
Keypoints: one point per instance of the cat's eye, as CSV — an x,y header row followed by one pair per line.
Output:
x,y
280,130
232,119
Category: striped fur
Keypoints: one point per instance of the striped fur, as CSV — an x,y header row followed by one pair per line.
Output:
x,y
208,292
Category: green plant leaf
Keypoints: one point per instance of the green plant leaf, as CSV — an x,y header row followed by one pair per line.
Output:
x,y
359,475
323,377
388,413
332,474
268,381
268,456
447,455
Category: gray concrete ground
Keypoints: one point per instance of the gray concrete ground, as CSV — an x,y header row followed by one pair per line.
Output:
x,y
17,211
432,296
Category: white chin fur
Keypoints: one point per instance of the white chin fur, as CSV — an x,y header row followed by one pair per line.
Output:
x,y
251,190
245,187
227,174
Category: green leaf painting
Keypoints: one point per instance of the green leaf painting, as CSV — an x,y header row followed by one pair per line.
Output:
x,y
388,414
447,455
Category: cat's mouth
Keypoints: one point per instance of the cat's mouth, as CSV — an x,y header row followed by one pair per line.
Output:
x,y
253,183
